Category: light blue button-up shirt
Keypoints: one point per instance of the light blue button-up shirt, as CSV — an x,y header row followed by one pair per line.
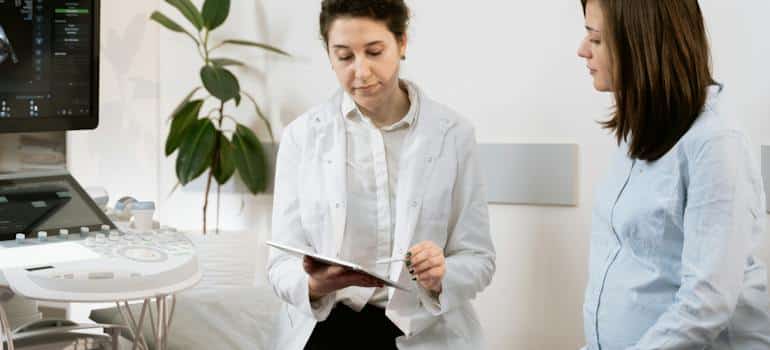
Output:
x,y
672,261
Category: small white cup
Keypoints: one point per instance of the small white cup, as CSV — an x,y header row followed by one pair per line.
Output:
x,y
143,213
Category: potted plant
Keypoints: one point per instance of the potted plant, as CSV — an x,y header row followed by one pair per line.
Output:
x,y
198,136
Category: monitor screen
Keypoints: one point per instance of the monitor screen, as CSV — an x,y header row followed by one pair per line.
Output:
x,y
48,65
48,202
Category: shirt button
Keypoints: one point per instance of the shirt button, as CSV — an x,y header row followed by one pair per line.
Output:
x,y
430,159
414,204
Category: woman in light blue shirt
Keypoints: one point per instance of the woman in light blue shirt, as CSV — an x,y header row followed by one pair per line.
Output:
x,y
678,219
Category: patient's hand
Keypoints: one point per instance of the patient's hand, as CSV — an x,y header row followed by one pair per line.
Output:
x,y
427,264
325,279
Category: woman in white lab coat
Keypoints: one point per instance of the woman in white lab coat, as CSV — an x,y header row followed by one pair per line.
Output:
x,y
379,171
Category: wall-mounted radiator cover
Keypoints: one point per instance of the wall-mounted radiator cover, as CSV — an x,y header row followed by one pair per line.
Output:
x,y
534,174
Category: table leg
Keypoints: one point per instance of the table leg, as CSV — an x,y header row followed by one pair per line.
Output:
x,y
160,323
115,335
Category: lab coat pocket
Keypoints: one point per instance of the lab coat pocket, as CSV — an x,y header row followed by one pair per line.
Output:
x,y
436,206
437,199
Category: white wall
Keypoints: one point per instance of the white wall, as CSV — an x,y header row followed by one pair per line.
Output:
x,y
122,154
509,66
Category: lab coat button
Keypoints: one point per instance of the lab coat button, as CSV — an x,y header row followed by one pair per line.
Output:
x,y
414,204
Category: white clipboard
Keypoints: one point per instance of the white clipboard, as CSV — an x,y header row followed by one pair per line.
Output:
x,y
332,261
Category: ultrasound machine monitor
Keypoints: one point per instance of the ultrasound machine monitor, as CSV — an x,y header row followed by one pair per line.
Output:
x,y
49,66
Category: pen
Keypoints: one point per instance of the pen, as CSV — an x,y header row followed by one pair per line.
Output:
x,y
391,260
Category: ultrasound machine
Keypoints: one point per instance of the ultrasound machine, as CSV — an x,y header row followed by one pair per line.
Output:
x,y
56,244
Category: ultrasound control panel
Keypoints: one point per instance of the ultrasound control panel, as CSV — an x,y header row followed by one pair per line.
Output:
x,y
111,265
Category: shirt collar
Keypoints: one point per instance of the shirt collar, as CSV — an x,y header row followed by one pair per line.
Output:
x,y
351,112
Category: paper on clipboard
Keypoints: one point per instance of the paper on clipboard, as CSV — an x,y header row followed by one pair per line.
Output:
x,y
332,261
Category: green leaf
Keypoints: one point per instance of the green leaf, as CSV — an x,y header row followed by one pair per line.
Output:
x,y
166,22
222,62
215,13
183,103
220,82
171,25
190,12
261,116
182,119
250,159
226,167
196,150
253,44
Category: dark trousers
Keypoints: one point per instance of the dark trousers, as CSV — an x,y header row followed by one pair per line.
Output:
x,y
347,329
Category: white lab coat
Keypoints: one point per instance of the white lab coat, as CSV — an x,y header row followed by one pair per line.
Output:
x,y
440,197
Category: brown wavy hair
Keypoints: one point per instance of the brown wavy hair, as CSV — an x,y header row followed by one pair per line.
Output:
x,y
394,13
661,71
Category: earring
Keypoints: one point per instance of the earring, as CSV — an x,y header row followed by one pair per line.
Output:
x,y
403,57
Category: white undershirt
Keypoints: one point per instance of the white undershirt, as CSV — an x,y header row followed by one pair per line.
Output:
x,y
373,156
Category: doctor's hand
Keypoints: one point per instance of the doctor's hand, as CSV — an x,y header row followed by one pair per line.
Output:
x,y
427,264
325,279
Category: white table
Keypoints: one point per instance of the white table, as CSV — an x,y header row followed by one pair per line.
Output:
x,y
159,294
